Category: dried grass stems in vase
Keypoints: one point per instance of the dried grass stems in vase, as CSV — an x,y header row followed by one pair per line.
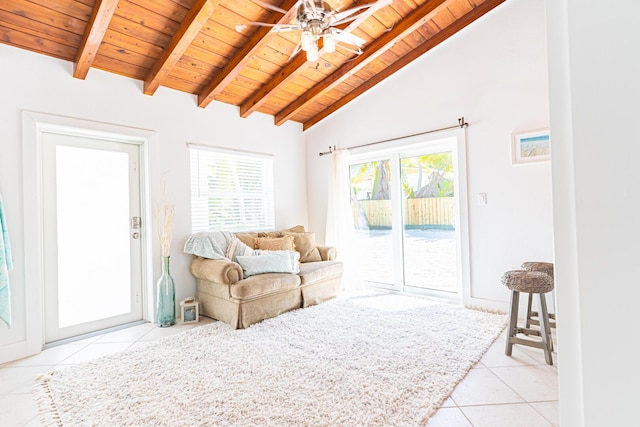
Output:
x,y
165,312
164,222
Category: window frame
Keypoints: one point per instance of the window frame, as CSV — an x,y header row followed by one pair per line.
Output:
x,y
253,190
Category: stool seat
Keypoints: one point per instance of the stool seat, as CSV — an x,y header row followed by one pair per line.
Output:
x,y
545,267
533,316
535,282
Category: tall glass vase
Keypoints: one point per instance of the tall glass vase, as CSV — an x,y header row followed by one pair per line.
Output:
x,y
166,311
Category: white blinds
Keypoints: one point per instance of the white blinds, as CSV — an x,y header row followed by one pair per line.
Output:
x,y
231,191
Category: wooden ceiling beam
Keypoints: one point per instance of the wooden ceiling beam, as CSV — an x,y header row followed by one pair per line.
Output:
x,y
101,15
297,66
240,59
402,29
196,18
438,38
293,68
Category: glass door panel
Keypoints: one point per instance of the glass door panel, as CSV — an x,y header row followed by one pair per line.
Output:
x,y
372,216
429,235
92,194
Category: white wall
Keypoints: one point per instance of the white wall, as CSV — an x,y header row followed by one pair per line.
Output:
x,y
494,73
38,83
594,91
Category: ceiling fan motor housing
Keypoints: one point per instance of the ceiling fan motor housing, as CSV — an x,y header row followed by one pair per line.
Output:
x,y
314,19
314,16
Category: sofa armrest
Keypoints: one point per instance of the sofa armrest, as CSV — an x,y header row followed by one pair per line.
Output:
x,y
216,270
327,253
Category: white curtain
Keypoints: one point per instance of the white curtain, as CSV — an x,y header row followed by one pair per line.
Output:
x,y
340,231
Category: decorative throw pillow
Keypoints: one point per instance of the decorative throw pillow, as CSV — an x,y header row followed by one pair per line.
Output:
x,y
275,262
294,257
237,248
247,238
280,233
270,234
284,243
305,243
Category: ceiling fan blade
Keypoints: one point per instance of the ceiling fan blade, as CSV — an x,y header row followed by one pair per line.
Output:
x,y
285,28
295,51
276,27
269,6
346,37
348,49
346,15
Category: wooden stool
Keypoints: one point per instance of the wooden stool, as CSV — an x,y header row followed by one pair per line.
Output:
x,y
531,282
533,316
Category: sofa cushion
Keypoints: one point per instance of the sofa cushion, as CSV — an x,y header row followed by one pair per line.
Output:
x,y
328,253
270,234
305,243
284,243
263,284
279,233
247,238
311,272
294,258
271,262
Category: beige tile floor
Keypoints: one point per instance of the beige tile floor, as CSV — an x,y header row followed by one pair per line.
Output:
x,y
499,391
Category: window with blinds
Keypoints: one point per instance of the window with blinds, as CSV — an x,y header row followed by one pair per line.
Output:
x,y
230,190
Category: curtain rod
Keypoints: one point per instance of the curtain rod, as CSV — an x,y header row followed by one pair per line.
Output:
x,y
461,124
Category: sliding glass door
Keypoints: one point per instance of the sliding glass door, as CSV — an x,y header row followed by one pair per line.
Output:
x,y
405,208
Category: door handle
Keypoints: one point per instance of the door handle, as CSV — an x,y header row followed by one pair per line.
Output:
x,y
136,235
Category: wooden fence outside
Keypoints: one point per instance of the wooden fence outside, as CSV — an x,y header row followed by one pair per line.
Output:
x,y
417,212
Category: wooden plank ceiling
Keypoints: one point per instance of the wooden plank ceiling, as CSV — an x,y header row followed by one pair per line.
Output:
x,y
206,48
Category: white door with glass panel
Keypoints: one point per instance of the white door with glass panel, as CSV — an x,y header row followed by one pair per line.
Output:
x,y
92,234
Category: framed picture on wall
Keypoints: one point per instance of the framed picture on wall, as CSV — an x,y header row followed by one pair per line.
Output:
x,y
530,146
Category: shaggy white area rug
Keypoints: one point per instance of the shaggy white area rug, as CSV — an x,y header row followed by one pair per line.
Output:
x,y
377,360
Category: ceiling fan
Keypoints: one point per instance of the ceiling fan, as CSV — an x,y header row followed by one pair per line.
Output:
x,y
316,20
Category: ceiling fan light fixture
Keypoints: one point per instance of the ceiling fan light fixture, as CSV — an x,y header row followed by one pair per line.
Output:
x,y
312,53
306,41
329,41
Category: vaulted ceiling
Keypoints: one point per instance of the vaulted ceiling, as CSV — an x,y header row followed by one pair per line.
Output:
x,y
210,49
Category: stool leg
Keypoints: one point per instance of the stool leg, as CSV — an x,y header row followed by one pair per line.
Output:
x,y
513,321
529,312
545,332
549,318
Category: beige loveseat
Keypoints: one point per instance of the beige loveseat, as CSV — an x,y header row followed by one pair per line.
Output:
x,y
225,294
